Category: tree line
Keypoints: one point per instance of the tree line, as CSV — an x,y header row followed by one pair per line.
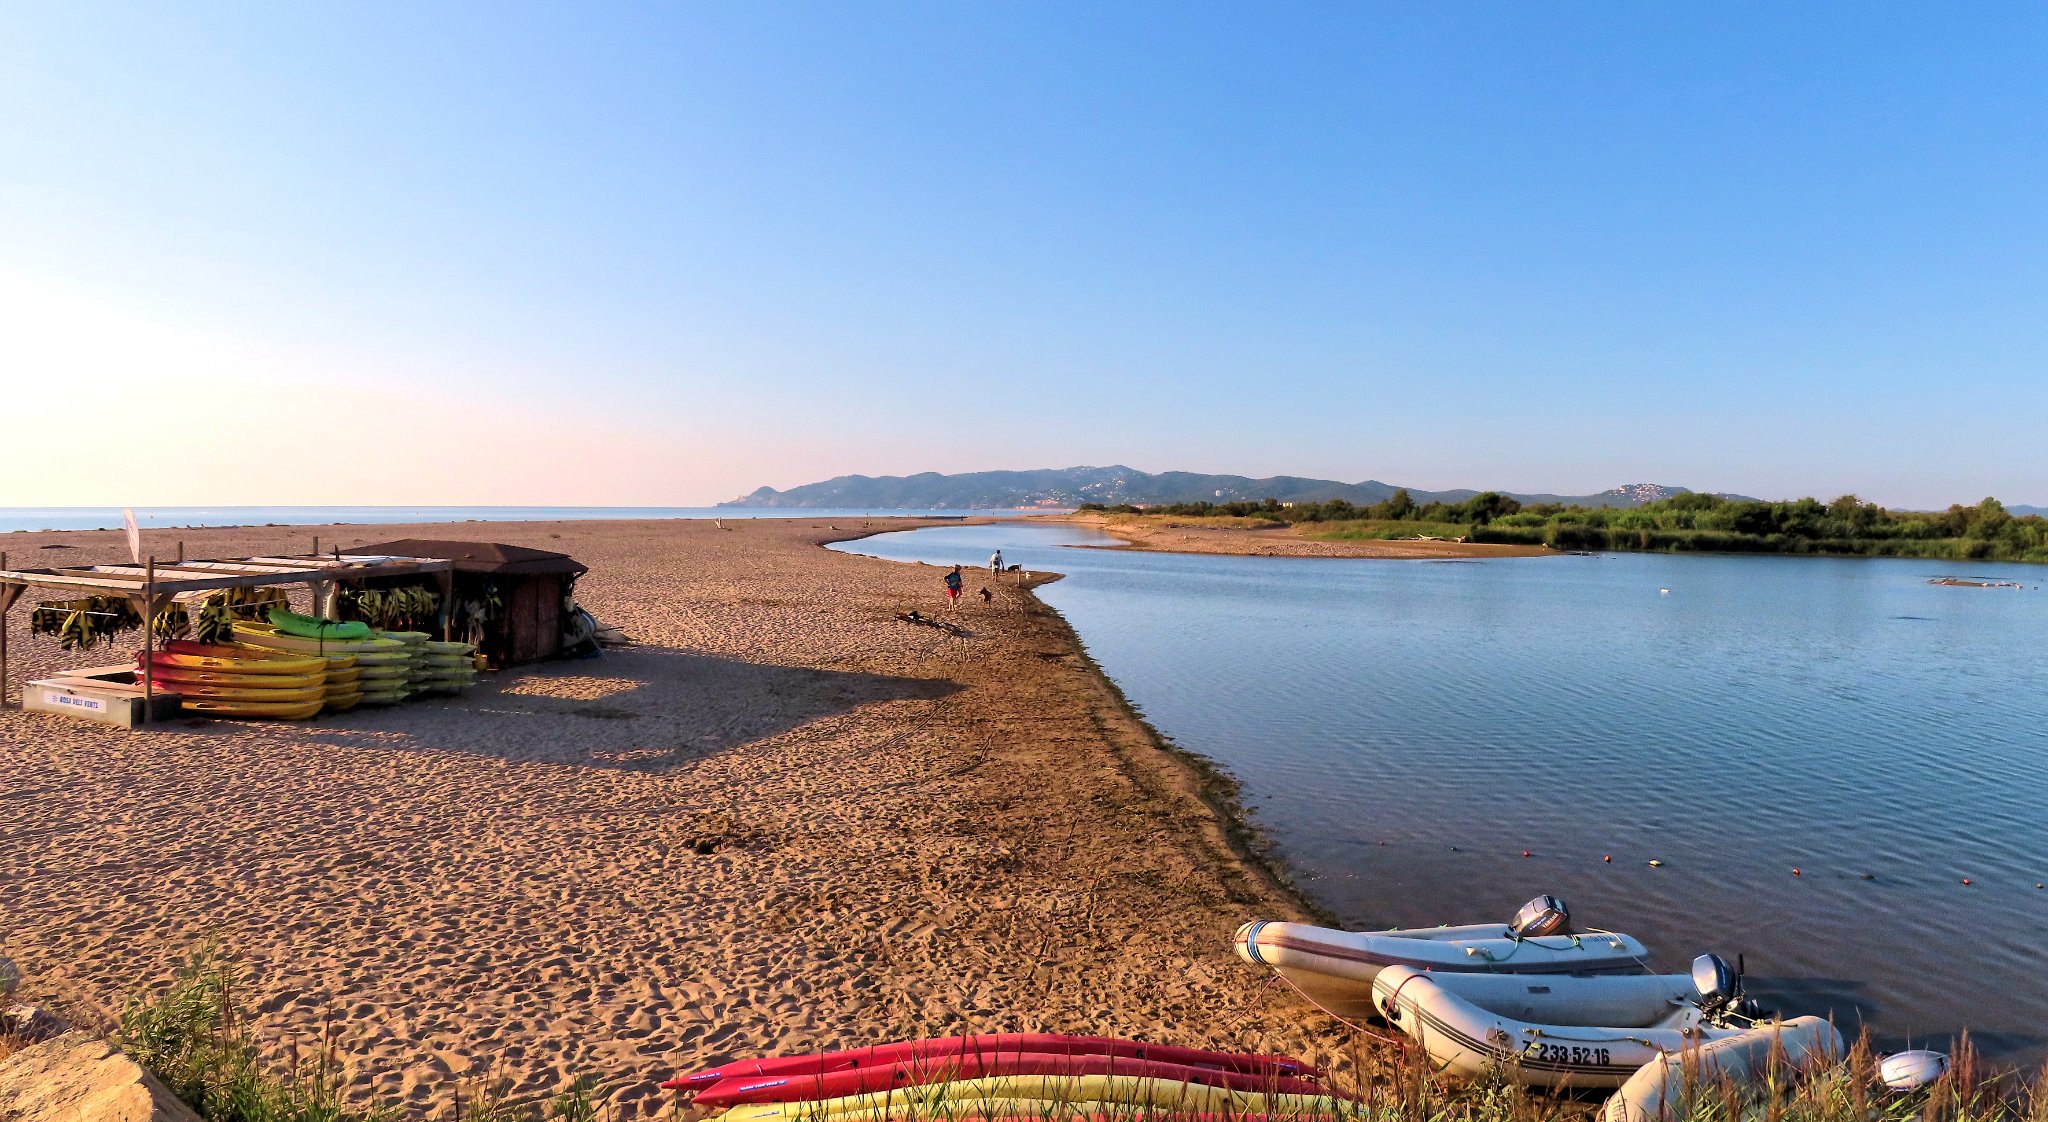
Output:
x,y
1688,522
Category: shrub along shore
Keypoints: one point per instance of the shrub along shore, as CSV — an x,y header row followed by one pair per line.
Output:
x,y
1701,523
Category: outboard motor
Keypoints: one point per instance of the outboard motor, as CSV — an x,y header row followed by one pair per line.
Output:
x,y
1718,985
1545,915
1910,1071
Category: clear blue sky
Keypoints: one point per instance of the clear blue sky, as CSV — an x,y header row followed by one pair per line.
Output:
x,y
666,253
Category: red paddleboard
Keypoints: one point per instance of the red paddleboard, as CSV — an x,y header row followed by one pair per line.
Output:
x,y
995,1043
815,1086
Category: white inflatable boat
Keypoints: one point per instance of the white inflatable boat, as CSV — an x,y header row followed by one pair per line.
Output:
x,y
1441,1013
1335,969
1656,1092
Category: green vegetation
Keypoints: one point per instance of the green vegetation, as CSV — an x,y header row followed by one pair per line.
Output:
x,y
1684,523
193,1039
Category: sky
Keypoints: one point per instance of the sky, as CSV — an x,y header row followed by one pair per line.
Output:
x,y
663,254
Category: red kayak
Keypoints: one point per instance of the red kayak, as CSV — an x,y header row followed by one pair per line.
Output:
x,y
816,1086
995,1043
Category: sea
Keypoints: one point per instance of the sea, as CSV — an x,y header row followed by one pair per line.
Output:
x,y
14,519
1828,767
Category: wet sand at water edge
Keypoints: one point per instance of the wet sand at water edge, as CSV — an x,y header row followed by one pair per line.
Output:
x,y
784,821
1166,534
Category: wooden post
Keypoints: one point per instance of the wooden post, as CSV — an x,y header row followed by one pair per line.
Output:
x,y
316,545
446,579
181,551
6,608
149,641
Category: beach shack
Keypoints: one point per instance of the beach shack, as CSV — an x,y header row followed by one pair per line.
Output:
x,y
513,602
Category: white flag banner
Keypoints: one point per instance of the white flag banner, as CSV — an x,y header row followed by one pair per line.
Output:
x,y
134,536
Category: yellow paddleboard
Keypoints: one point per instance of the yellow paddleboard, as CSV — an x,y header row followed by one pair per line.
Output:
x,y
175,678
192,691
296,711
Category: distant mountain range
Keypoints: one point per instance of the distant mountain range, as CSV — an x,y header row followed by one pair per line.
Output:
x,y
1069,487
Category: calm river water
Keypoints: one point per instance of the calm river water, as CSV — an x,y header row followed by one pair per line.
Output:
x,y
1406,729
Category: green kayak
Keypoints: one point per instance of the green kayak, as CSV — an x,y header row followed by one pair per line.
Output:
x,y
306,627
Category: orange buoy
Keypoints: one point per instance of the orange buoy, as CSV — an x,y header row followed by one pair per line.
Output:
x,y
1795,872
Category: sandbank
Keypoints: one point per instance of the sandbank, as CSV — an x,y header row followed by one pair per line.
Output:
x,y
1168,534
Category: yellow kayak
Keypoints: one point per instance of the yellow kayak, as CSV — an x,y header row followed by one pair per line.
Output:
x,y
176,678
179,654
291,711
264,635
341,703
342,677
977,1094
193,691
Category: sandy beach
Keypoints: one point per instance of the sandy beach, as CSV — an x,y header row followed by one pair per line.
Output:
x,y
784,821
1165,534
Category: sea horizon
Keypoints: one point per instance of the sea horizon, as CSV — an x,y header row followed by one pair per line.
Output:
x,y
32,519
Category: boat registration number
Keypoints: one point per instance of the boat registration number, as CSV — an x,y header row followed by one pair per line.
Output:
x,y
1568,1054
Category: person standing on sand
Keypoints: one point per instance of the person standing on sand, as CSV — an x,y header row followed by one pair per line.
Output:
x,y
995,564
953,586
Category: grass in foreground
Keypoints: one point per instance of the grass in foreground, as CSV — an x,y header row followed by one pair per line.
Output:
x,y
193,1039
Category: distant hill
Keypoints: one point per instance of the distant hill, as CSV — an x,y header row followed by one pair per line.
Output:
x,y
1068,487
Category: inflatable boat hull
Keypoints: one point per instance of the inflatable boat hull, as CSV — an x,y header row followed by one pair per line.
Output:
x,y
1335,969
1657,1090
1466,1041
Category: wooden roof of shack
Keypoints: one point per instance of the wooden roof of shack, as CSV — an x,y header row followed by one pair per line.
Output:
x,y
485,557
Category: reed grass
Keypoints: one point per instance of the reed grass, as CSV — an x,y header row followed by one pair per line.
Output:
x,y
192,1037
1381,529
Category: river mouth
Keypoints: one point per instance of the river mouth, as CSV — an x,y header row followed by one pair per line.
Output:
x,y
1818,752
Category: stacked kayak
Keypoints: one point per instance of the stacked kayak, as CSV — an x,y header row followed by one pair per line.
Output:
x,y
383,666
313,627
450,667
1010,1075
415,646
236,681
344,684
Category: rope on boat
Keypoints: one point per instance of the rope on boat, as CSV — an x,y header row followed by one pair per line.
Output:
x,y
1346,1022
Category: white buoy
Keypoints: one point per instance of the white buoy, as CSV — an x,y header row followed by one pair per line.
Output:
x,y
1663,592
1910,1071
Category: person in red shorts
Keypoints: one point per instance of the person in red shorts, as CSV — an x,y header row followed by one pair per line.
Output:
x,y
953,586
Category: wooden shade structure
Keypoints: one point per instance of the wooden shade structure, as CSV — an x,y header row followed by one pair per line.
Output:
x,y
533,584
156,584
